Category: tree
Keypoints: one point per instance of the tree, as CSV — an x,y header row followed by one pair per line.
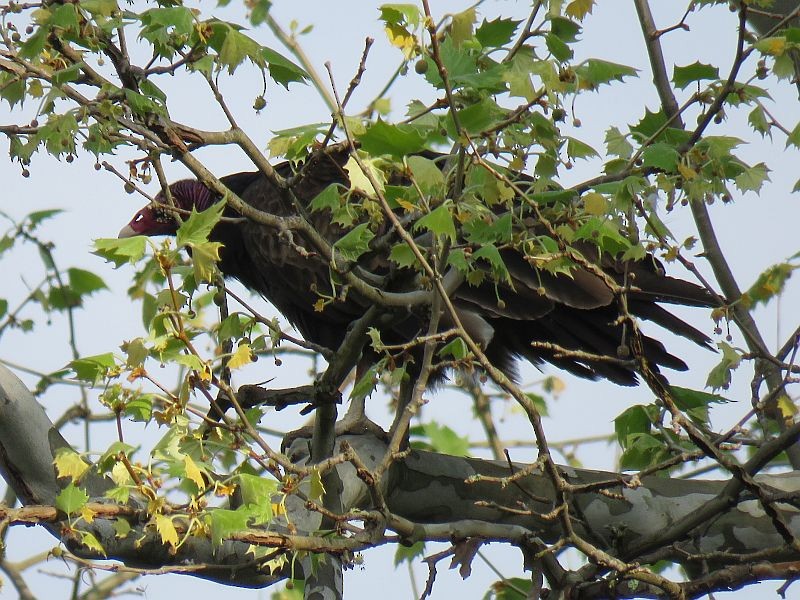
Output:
x,y
218,498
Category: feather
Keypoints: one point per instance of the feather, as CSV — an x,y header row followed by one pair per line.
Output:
x,y
532,313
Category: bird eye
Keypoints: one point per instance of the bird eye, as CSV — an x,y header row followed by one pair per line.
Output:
x,y
138,218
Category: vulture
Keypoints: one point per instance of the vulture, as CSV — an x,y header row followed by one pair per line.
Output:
x,y
531,313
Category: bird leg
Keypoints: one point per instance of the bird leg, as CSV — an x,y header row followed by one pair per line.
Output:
x,y
355,420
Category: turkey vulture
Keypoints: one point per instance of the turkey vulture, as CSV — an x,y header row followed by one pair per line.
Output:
x,y
510,317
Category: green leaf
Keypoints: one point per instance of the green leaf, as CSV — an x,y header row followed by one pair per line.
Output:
x,y
491,254
38,216
683,76
566,29
65,17
595,72
511,588
121,251
400,14
121,527
758,121
649,124
257,490
62,298
644,450
136,353
259,11
281,69
719,146
695,403
327,199
461,26
720,375
518,78
359,179
93,368
439,222
160,21
445,440
71,499
769,284
633,421
752,178
456,348
225,523
59,134
34,45
408,553
316,486
364,387
143,105
355,242
401,254
539,403
85,282
793,139
395,140
233,47
101,8
3,307
662,156
197,227
153,91
479,232
71,73
478,117
427,175
6,242
558,48
140,409
579,149
604,234
496,33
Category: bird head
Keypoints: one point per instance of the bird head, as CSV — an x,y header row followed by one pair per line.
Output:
x,y
157,219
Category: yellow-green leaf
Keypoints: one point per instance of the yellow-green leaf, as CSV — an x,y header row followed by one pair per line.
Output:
x,y
317,488
193,472
786,407
461,28
87,514
595,203
402,38
578,9
70,464
241,357
204,259
91,542
359,181
166,529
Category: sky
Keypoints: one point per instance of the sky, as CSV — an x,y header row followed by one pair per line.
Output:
x,y
755,231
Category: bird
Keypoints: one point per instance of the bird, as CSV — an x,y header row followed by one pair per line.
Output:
x,y
571,320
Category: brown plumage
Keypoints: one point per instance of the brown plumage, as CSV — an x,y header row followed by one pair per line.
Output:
x,y
577,312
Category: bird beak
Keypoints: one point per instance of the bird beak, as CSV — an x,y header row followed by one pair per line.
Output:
x,y
127,232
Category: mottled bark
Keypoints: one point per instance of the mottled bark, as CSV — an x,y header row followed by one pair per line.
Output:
x,y
442,497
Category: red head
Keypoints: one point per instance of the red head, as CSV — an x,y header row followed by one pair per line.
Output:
x,y
155,219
